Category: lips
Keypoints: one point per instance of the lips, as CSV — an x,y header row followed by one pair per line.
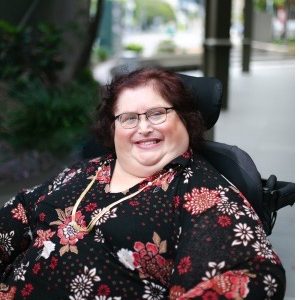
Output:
x,y
147,143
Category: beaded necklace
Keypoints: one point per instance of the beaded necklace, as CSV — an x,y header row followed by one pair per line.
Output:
x,y
106,209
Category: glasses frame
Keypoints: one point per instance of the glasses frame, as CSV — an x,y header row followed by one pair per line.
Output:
x,y
146,115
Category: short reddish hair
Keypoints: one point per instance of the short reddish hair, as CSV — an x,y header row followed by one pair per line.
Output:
x,y
167,84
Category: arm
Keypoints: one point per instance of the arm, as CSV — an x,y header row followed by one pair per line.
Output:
x,y
223,252
19,216
16,222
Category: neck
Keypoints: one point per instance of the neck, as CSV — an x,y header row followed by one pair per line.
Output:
x,y
122,180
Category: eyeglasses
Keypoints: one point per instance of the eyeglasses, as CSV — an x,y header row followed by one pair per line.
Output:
x,y
155,116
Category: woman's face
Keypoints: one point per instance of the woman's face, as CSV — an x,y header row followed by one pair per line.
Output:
x,y
147,148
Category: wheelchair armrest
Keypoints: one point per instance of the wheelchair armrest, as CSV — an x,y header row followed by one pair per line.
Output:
x,y
281,193
286,192
276,195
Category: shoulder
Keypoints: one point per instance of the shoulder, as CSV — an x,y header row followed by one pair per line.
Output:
x,y
85,166
203,168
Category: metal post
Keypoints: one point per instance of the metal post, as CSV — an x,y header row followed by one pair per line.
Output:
x,y
246,47
217,43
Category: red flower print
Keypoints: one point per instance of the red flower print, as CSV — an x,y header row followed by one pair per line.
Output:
x,y
67,233
161,180
187,154
184,265
134,203
42,216
54,262
43,235
41,198
176,291
150,263
176,201
103,175
27,290
9,294
91,206
231,285
104,290
90,170
164,180
210,295
36,268
19,213
95,160
237,284
224,221
200,200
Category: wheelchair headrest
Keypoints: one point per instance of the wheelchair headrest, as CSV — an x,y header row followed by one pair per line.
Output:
x,y
207,93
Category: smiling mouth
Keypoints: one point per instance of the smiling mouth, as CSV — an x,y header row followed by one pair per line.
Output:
x,y
148,143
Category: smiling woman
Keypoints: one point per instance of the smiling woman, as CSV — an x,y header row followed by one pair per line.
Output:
x,y
151,220
147,145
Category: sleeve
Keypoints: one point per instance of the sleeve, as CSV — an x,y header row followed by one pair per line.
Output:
x,y
18,217
223,252
16,221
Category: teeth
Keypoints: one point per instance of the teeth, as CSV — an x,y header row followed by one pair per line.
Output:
x,y
148,142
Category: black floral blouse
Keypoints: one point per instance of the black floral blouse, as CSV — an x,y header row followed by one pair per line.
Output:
x,y
189,234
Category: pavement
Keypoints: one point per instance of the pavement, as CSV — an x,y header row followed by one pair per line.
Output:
x,y
260,119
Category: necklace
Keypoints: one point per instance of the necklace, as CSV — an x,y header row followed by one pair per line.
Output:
x,y
106,209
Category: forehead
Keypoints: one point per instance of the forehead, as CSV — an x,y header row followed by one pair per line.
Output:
x,y
139,99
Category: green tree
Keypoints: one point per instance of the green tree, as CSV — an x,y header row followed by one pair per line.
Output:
x,y
48,89
147,11
73,18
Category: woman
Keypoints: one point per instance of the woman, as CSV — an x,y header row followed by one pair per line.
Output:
x,y
151,220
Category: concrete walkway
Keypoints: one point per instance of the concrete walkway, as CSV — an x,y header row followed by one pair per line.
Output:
x,y
261,120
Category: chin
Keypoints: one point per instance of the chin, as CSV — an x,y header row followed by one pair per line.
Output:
x,y
148,162
149,159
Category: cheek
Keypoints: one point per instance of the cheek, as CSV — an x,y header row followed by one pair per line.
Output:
x,y
121,136
175,130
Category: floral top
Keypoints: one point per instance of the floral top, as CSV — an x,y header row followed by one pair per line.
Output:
x,y
189,234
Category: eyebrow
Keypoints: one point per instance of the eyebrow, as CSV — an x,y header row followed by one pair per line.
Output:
x,y
134,112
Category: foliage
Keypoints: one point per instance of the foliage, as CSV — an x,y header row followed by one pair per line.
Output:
x,y
100,53
147,11
166,46
49,119
30,52
135,47
262,4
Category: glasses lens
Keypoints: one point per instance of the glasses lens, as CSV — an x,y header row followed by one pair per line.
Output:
x,y
157,115
128,120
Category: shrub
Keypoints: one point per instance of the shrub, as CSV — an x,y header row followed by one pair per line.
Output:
x,y
134,47
166,46
30,52
49,119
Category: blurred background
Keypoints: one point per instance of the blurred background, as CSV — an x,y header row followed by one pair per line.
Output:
x,y
55,55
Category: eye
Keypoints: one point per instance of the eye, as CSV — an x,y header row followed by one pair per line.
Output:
x,y
156,113
128,118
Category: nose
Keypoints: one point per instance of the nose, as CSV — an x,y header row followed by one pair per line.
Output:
x,y
144,125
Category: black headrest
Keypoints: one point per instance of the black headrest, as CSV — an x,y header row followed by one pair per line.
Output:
x,y
207,92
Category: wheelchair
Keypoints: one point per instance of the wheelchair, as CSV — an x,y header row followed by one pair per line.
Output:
x,y
266,196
